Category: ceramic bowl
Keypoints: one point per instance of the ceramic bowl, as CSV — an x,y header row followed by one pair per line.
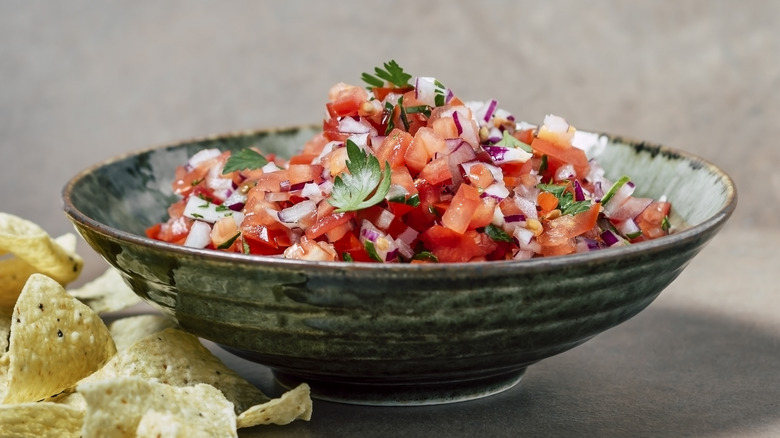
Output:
x,y
391,333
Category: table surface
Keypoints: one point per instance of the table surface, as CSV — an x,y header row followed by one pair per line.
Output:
x,y
701,360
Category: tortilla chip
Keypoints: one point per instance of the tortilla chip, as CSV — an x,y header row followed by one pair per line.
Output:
x,y
116,407
55,341
292,405
177,358
5,330
159,424
126,331
33,420
38,253
107,293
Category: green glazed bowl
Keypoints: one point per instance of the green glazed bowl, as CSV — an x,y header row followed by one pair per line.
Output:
x,y
392,334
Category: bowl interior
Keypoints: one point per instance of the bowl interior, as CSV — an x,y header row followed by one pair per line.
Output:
x,y
133,192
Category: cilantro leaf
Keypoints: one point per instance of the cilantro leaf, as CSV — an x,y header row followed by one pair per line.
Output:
x,y
244,159
364,185
392,74
566,202
509,141
497,234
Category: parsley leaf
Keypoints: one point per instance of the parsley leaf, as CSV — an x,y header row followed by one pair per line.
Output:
x,y
364,180
392,74
244,159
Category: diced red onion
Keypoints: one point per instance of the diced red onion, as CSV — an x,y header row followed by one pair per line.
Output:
x,y
297,186
609,238
403,248
456,119
627,227
491,108
370,233
578,194
385,219
514,218
502,154
391,255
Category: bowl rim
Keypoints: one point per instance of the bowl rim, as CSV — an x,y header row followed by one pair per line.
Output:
x,y
691,233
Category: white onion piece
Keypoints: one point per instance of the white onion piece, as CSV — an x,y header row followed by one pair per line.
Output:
x,y
385,219
270,167
614,203
556,124
349,125
202,156
627,227
523,235
294,213
206,211
199,236
503,154
496,190
312,191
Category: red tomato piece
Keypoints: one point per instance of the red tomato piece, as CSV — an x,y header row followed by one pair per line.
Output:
x,y
566,153
461,210
450,246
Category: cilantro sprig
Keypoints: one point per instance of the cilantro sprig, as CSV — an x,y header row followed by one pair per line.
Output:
x,y
364,185
244,159
566,202
392,74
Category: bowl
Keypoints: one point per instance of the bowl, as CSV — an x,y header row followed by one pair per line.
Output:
x,y
392,334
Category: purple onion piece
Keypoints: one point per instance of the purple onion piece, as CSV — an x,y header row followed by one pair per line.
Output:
x,y
391,255
491,109
609,237
578,194
456,119
284,186
295,187
514,218
238,206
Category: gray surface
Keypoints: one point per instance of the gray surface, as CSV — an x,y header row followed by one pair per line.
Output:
x,y
84,81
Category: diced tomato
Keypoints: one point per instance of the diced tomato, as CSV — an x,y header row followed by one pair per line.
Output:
x,y
223,231
547,202
350,244
393,148
335,161
461,209
450,246
483,215
264,239
304,173
445,127
480,176
565,153
347,101
436,171
327,223
330,129
559,233
651,220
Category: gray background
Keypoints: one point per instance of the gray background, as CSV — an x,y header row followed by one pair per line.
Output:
x,y
83,81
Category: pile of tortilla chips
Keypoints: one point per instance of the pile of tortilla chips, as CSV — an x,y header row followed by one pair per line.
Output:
x,y
64,372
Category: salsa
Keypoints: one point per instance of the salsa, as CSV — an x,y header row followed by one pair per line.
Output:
x,y
405,171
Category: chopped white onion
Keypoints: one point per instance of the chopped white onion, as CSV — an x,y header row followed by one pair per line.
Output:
x,y
296,212
199,235
200,209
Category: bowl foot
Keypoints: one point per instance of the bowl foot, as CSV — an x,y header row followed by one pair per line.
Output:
x,y
403,394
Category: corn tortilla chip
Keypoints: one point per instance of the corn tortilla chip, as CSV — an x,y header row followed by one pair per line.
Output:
x,y
5,330
55,341
117,406
33,420
162,424
106,293
126,331
177,358
16,269
292,405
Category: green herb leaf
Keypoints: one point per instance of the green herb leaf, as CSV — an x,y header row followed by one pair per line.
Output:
x,y
364,185
566,202
392,74
665,225
371,250
425,255
612,190
509,141
226,244
244,159
419,109
497,234
347,257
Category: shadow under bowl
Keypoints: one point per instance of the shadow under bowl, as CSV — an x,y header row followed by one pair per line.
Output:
x,y
392,334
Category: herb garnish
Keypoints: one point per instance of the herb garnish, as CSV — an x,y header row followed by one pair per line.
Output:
x,y
244,159
509,141
392,74
566,202
364,185
497,234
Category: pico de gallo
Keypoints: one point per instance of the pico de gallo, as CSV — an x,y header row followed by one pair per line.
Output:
x,y
405,171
